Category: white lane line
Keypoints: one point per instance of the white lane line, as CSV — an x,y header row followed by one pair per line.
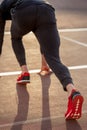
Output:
x,y
7,33
62,30
38,70
77,67
74,41
73,30
34,120
18,72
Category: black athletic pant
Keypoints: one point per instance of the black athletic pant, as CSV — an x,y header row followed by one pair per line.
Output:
x,y
40,19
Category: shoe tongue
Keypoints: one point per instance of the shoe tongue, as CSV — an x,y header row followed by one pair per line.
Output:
x,y
74,93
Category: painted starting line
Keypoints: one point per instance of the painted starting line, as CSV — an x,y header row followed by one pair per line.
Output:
x,y
38,70
34,120
64,30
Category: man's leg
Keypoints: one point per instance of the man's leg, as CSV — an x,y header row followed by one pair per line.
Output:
x,y
19,51
49,40
45,69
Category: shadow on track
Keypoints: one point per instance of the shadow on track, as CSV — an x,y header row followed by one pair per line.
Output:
x,y
72,125
23,106
45,124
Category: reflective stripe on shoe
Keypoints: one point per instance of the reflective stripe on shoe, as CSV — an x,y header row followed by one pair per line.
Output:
x,y
23,82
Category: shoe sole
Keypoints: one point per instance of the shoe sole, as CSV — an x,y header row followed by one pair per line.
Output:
x,y
23,82
76,111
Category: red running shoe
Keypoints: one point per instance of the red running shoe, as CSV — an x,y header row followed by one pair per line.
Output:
x,y
75,102
24,78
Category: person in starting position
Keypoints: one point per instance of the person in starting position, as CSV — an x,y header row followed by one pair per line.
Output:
x,y
38,16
